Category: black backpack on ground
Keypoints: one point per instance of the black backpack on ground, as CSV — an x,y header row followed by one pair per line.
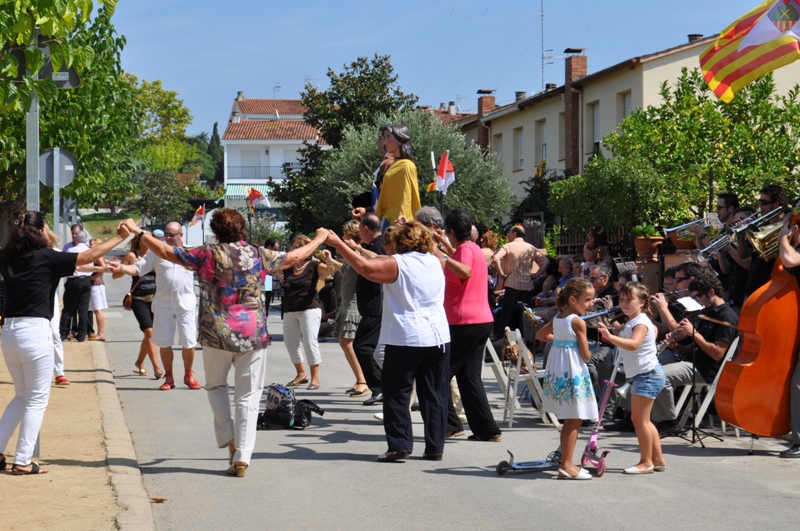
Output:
x,y
282,419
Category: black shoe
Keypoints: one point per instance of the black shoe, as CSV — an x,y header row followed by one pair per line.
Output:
x,y
415,406
391,457
668,428
374,399
432,457
791,453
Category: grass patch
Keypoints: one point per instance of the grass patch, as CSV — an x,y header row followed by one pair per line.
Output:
x,y
101,225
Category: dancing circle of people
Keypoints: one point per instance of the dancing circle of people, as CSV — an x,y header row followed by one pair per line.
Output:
x,y
418,299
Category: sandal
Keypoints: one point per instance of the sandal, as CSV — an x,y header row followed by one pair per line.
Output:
x,y
360,394
353,389
140,372
238,469
313,387
158,374
295,382
35,470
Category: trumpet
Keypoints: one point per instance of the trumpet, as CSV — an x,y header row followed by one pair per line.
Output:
x,y
753,222
765,239
683,230
593,319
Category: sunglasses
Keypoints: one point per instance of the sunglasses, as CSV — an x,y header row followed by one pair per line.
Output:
x,y
592,279
680,279
764,201
172,234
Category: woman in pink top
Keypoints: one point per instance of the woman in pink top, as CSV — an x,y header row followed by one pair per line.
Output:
x,y
466,304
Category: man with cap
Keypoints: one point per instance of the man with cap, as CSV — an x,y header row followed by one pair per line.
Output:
x,y
173,306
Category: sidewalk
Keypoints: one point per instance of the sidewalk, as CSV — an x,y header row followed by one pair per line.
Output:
x,y
77,493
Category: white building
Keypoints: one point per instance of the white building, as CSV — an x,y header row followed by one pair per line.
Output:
x,y
262,138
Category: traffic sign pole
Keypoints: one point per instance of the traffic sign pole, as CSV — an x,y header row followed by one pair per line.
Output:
x,y
32,141
56,190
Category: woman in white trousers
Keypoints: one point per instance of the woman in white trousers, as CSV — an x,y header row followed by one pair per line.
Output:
x,y
32,270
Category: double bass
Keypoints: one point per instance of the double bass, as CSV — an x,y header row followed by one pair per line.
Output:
x,y
753,389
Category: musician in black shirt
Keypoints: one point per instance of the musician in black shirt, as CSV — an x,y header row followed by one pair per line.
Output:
x,y
789,247
710,342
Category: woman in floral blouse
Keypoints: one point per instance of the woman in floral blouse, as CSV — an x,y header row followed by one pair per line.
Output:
x,y
233,323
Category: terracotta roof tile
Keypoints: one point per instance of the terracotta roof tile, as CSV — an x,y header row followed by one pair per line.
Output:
x,y
268,106
270,130
447,118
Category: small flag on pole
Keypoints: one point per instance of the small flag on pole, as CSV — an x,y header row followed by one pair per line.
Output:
x,y
763,40
445,175
254,197
199,215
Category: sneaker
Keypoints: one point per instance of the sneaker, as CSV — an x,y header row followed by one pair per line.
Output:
x,y
62,380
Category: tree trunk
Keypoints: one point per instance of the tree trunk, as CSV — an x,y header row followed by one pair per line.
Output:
x,y
9,210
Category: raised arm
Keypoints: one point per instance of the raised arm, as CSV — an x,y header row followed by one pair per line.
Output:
x,y
382,269
302,253
91,255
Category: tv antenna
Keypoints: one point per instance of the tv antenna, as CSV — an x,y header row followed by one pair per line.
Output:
x,y
275,88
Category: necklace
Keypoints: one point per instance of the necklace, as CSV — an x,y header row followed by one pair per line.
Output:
x,y
298,269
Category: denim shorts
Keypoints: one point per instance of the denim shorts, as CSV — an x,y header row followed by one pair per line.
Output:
x,y
649,384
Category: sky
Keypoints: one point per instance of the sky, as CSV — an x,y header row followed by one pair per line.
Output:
x,y
207,50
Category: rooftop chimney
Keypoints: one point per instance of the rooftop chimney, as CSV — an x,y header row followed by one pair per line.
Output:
x,y
520,95
442,107
236,118
486,104
575,67
451,107
550,86
694,37
240,95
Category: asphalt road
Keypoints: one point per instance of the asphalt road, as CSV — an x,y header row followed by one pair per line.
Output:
x,y
326,476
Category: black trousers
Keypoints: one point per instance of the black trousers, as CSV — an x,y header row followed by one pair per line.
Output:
x,y
510,312
430,367
77,292
367,334
467,347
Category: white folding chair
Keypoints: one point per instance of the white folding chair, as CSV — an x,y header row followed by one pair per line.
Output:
x,y
712,389
531,378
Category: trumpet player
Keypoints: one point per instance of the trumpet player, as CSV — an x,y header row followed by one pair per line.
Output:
x,y
734,266
727,203
788,247
772,196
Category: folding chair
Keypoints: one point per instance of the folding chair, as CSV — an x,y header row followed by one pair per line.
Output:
x,y
712,389
531,379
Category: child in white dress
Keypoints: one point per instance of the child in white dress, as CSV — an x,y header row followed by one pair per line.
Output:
x,y
568,391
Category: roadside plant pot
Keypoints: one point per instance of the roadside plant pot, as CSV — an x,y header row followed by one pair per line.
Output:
x,y
647,247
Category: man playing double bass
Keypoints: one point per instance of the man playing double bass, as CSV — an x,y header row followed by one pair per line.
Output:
x,y
788,247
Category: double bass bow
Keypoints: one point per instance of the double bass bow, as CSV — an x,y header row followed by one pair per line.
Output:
x,y
753,389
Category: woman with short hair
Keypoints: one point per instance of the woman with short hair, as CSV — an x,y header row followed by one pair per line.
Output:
x,y
466,303
415,332
233,322
32,270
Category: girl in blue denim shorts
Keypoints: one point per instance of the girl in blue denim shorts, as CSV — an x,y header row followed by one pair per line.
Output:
x,y
637,346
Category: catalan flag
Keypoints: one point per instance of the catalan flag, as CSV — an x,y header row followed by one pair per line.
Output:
x,y
199,214
761,41
540,168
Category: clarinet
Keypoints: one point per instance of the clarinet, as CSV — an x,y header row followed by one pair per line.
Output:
x,y
666,341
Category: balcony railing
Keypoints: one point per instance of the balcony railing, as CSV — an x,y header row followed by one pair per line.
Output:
x,y
256,172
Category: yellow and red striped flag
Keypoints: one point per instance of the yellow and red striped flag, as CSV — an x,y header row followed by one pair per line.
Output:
x,y
761,41
445,175
199,214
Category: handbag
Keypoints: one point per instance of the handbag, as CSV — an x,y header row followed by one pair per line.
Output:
x,y
127,300
511,353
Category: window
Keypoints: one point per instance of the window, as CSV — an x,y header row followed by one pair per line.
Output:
x,y
541,141
562,136
497,144
519,150
624,106
593,127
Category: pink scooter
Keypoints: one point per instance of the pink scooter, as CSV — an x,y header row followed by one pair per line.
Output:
x,y
590,456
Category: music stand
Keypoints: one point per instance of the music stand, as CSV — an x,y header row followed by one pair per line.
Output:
x,y
626,264
692,307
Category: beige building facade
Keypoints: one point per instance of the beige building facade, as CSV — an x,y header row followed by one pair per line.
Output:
x,y
565,125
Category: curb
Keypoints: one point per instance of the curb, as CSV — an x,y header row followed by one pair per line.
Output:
x,y
126,479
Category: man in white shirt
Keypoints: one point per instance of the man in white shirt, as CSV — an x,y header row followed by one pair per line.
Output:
x,y
77,291
173,307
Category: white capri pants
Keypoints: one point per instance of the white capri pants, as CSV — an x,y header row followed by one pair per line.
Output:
x,y
58,347
165,323
302,325
249,371
28,351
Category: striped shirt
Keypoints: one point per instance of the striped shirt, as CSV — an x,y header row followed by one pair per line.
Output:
x,y
516,260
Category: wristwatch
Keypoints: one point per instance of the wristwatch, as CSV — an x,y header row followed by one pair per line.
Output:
x,y
444,255
142,233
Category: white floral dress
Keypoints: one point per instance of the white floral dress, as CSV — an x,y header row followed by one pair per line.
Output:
x,y
568,391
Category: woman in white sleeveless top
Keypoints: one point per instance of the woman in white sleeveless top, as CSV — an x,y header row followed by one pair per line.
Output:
x,y
416,334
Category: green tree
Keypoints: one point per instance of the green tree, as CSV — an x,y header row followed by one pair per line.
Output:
x,y
748,143
163,197
169,154
57,21
164,116
365,89
215,149
614,193
479,187
97,123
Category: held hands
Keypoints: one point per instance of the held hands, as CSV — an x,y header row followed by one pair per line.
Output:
x,y
112,266
332,239
322,234
123,231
